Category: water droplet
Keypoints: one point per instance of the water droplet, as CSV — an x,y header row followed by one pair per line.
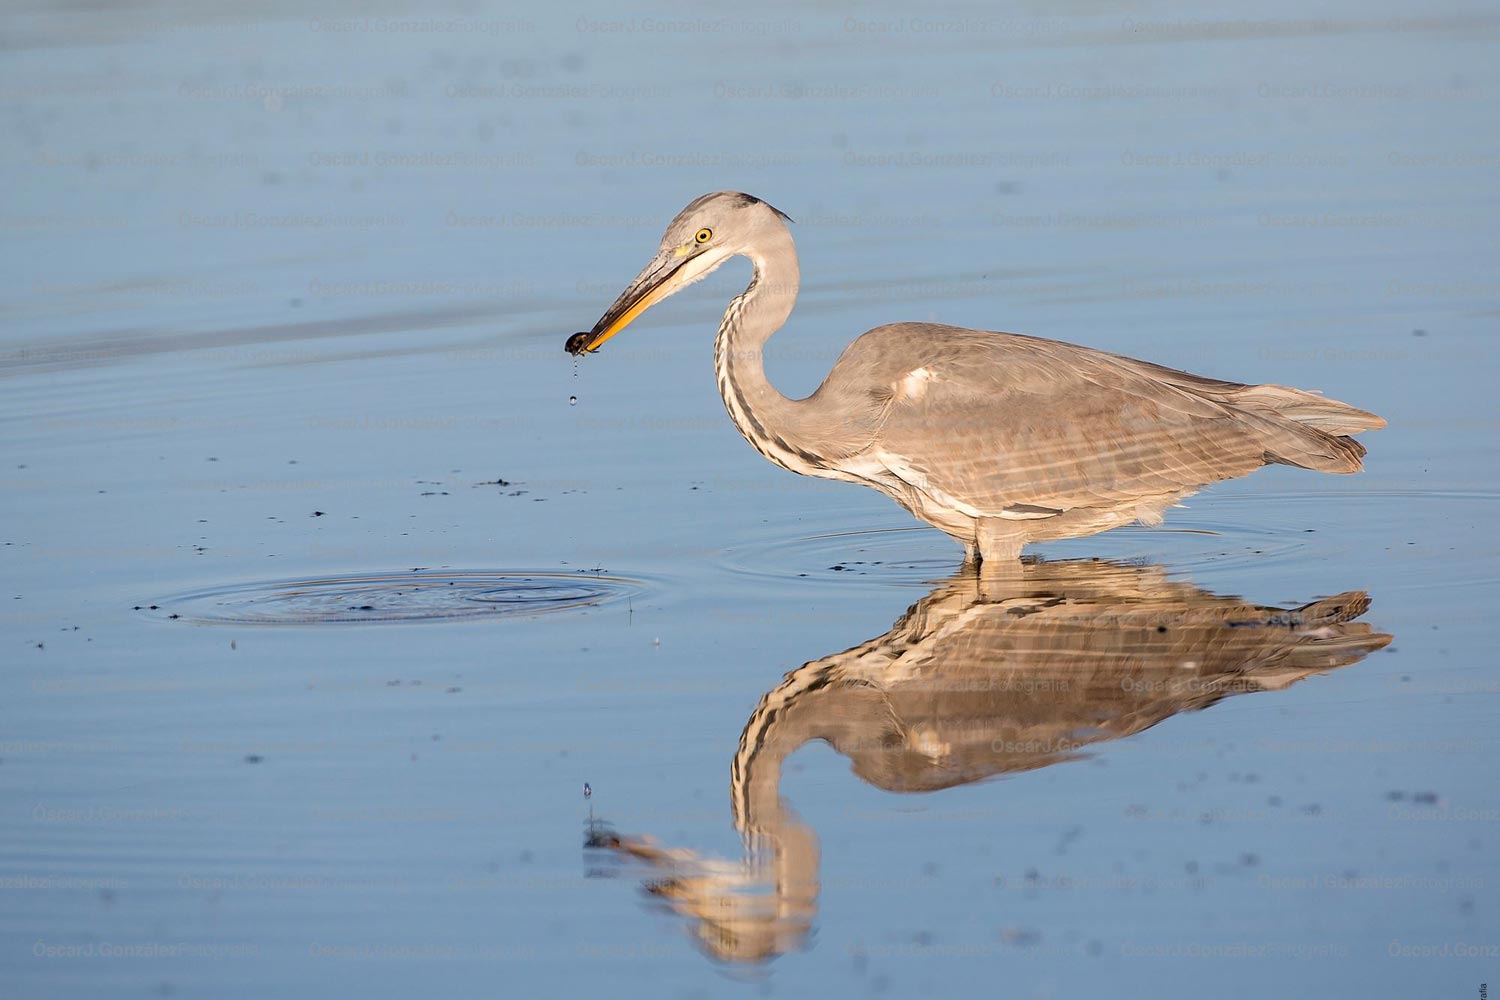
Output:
x,y
572,400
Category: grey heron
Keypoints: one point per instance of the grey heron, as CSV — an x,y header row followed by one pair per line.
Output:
x,y
997,439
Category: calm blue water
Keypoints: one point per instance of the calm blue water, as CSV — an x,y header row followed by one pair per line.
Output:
x,y
284,303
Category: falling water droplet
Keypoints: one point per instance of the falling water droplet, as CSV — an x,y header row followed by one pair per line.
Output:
x,y
587,791
572,400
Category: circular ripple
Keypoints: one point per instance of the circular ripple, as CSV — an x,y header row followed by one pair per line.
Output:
x,y
920,556
391,598
904,556
1191,545
1224,532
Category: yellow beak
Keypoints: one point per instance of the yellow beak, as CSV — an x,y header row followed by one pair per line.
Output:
x,y
649,287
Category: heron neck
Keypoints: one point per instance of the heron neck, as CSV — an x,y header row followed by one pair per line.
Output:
x,y
768,419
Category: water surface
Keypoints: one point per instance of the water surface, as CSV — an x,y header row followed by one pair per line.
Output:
x,y
284,300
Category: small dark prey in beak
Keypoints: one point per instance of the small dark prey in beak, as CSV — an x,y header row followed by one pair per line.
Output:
x,y
576,343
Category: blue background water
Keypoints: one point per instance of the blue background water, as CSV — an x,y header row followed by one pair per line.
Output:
x,y
324,260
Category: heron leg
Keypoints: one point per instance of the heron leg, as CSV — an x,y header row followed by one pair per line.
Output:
x,y
999,546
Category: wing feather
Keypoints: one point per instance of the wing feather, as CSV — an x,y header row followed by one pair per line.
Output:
x,y
1007,422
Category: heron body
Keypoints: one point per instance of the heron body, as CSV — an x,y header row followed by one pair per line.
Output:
x,y
997,439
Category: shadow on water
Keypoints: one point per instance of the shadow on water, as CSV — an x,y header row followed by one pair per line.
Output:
x,y
976,680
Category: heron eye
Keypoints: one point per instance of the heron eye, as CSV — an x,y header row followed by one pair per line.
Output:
x,y
704,235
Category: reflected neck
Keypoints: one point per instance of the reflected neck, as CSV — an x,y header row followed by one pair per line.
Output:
x,y
780,846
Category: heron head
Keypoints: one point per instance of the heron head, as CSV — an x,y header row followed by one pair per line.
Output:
x,y
704,235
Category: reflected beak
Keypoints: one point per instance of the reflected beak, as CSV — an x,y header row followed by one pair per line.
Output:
x,y
649,287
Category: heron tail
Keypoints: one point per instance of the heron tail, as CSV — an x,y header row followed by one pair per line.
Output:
x,y
1307,448
1309,408
1306,429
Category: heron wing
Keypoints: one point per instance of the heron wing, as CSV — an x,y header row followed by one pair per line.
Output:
x,y
1018,427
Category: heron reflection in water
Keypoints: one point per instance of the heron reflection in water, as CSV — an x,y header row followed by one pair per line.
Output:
x,y
976,680
997,439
